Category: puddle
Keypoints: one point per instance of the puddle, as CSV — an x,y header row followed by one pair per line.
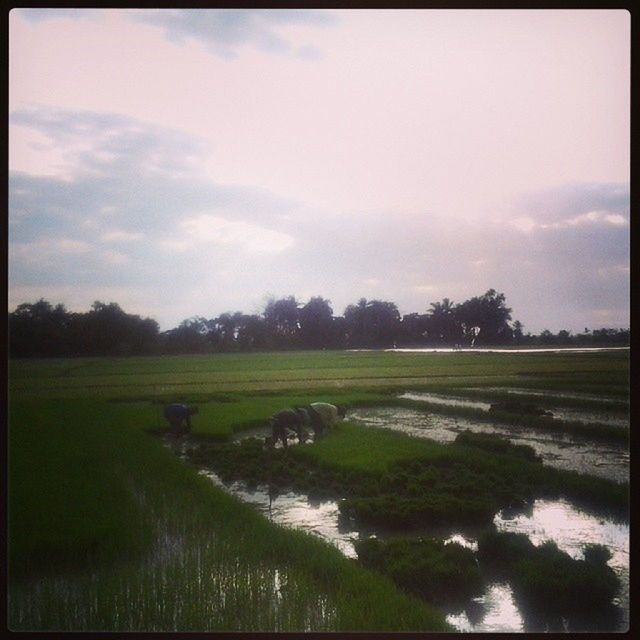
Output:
x,y
606,460
561,413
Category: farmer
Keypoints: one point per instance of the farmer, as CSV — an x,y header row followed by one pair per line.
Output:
x,y
325,416
289,419
179,418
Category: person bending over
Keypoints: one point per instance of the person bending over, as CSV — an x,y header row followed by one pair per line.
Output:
x,y
179,418
325,416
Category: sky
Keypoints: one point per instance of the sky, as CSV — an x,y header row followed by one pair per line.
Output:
x,y
193,162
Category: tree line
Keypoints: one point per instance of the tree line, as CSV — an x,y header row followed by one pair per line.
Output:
x,y
42,330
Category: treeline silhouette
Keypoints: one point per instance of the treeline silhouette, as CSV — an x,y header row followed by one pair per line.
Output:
x,y
43,330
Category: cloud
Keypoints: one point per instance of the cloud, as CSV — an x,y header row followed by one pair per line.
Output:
x,y
567,202
117,223
103,143
225,31
176,234
207,229
117,236
42,15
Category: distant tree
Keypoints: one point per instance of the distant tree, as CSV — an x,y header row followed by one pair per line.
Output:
x,y
108,330
484,319
414,328
355,324
372,324
316,322
192,335
547,338
282,320
518,336
224,331
383,323
443,325
564,337
252,332
39,329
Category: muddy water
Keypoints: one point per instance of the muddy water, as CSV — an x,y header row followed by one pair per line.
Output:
x,y
558,450
561,413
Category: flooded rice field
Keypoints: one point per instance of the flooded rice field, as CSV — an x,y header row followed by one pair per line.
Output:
x,y
606,460
495,610
594,416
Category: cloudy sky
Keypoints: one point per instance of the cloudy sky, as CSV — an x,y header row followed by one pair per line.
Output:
x,y
187,163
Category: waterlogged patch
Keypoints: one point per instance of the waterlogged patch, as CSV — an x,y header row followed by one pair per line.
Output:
x,y
592,416
556,449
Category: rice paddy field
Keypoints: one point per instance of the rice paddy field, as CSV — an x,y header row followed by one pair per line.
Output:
x,y
111,529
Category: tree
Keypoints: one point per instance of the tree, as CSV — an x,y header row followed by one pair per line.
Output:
x,y
316,322
39,329
252,332
281,317
224,330
442,323
193,335
517,332
372,324
414,328
484,319
355,323
108,330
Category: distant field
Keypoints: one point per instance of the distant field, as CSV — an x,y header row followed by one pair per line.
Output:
x,y
171,376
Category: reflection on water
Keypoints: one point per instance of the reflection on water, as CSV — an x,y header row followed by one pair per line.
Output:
x,y
561,413
321,518
495,611
607,460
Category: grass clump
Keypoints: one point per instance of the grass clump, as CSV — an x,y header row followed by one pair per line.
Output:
x,y
438,572
548,579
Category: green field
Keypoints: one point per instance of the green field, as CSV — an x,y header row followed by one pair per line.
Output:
x,y
108,530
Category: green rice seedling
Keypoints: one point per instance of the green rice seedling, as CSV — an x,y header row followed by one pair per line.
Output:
x,y
548,579
438,572
176,555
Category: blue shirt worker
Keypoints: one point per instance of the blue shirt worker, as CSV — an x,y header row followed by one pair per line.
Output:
x,y
179,418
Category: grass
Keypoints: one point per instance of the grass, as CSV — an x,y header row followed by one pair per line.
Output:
x,y
606,372
109,531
